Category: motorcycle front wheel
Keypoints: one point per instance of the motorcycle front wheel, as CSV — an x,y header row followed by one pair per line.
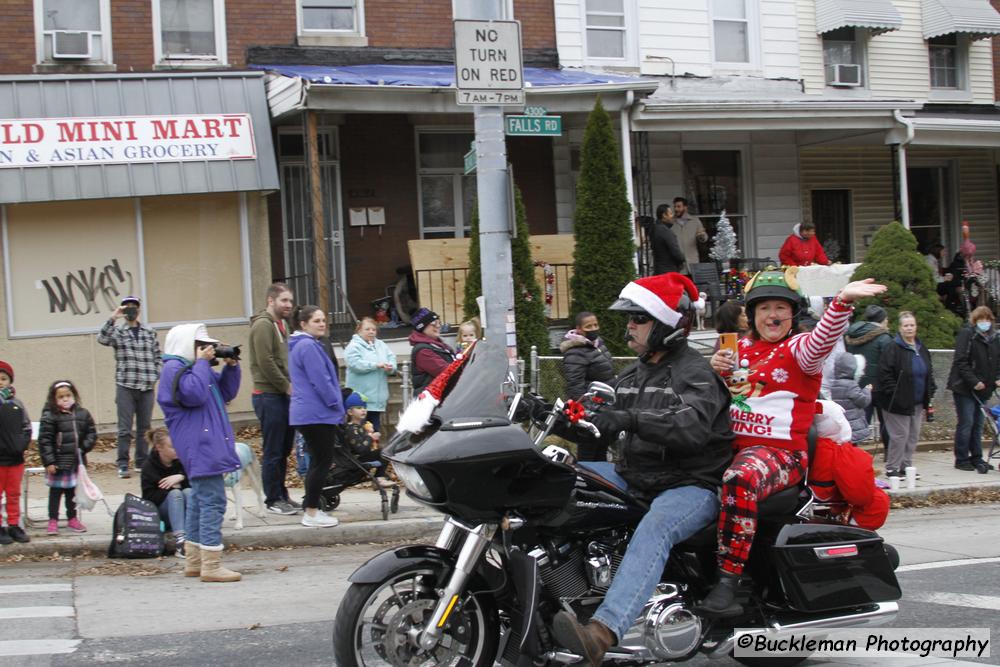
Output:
x,y
379,624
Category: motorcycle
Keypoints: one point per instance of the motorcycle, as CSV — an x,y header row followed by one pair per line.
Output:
x,y
528,533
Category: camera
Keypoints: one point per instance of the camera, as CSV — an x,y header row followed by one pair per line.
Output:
x,y
130,313
227,352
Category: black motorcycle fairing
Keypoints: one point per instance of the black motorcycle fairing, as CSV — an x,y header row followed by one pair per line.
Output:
x,y
379,567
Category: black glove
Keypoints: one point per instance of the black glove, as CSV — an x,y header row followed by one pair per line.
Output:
x,y
611,422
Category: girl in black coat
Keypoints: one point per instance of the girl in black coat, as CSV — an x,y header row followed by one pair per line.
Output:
x,y
585,360
65,434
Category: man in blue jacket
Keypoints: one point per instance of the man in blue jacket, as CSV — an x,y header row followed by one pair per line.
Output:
x,y
193,398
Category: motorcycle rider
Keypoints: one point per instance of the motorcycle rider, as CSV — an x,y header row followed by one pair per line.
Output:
x,y
670,431
774,385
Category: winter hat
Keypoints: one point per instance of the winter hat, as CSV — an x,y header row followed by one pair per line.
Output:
x,y
666,296
8,369
831,422
875,314
422,318
131,299
355,400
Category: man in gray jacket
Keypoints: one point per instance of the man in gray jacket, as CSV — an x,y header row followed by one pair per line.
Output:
x,y
689,231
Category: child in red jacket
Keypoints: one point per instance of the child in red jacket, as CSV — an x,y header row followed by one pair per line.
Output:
x,y
843,475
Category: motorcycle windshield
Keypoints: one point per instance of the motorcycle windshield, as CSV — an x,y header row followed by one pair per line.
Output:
x,y
478,398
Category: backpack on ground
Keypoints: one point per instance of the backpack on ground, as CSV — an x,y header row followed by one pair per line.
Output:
x,y
136,530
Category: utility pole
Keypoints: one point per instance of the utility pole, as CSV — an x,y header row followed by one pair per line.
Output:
x,y
489,75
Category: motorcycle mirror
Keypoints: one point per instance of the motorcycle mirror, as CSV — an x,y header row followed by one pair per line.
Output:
x,y
601,392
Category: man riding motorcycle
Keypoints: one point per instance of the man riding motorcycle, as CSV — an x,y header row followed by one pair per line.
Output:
x,y
670,434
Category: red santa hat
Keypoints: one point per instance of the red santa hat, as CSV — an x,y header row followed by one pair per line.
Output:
x,y
664,296
417,415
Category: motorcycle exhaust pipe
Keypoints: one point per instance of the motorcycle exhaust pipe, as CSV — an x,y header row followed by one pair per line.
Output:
x,y
884,612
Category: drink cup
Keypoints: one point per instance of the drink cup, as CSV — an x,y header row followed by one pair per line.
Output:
x,y
894,483
911,477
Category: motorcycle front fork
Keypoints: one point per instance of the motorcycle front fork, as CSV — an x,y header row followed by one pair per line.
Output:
x,y
469,542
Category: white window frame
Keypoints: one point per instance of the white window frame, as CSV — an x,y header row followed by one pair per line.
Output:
x,y
459,223
314,37
508,10
631,30
963,91
221,56
245,267
753,38
103,58
862,37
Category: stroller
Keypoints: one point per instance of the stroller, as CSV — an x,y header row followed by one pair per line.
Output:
x,y
991,428
347,471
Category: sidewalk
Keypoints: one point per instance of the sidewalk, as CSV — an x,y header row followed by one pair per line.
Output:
x,y
359,511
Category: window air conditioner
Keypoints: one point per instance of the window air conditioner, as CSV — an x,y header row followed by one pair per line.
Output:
x,y
843,75
71,44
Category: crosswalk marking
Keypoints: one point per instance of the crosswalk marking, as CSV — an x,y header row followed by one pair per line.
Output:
x,y
38,646
35,612
36,588
960,600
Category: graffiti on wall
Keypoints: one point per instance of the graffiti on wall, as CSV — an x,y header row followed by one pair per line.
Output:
x,y
85,291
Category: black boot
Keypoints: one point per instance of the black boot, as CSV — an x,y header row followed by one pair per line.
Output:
x,y
721,602
591,641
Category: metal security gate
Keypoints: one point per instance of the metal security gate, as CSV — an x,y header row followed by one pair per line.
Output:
x,y
297,237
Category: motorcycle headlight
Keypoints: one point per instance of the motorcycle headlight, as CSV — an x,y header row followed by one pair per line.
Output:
x,y
412,480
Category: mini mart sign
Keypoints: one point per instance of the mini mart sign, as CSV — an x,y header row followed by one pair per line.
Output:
x,y
60,142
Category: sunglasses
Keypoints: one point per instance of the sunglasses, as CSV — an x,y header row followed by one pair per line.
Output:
x,y
640,318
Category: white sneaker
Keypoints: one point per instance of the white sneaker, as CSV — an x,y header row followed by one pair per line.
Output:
x,y
319,520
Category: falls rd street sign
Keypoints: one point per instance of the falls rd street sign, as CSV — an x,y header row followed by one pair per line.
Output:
x,y
488,67
533,126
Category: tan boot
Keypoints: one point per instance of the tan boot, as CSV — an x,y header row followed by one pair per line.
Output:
x,y
591,641
211,566
192,559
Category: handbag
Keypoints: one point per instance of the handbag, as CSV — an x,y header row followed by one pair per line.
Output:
x,y
87,493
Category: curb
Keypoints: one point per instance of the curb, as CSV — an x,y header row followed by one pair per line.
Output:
x,y
283,536
942,492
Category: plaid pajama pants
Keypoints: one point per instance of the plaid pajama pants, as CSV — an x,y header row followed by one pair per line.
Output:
x,y
755,473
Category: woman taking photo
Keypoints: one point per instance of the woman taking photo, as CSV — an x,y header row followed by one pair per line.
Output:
x,y
317,406
905,388
974,375
370,362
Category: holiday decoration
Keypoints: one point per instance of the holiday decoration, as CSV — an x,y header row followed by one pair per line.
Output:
x,y
736,282
549,272
724,247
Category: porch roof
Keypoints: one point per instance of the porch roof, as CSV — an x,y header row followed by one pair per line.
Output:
x,y
974,18
876,15
950,130
419,88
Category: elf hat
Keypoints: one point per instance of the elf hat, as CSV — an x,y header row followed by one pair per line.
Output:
x,y
8,369
667,297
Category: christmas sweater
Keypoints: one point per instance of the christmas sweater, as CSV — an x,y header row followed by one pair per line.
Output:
x,y
774,390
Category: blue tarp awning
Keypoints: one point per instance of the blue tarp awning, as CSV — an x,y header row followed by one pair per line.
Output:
x,y
438,76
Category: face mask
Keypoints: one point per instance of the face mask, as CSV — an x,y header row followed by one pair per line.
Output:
x,y
592,335
66,403
984,326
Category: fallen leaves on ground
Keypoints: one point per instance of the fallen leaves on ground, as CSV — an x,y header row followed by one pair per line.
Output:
x,y
119,568
972,496
253,626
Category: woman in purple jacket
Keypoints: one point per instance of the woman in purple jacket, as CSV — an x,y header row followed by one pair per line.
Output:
x,y
317,406
193,398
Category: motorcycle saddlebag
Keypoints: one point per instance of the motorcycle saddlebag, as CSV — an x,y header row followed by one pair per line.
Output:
x,y
825,567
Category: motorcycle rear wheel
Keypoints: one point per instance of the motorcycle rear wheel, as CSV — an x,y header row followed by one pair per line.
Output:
x,y
750,661
373,625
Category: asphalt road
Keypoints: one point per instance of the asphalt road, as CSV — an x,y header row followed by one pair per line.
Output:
x,y
145,613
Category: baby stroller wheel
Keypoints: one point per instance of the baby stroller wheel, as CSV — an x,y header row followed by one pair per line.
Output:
x,y
328,503
394,501
385,509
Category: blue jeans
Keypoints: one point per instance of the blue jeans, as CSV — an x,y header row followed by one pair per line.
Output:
x,y
272,413
969,431
172,510
205,510
674,515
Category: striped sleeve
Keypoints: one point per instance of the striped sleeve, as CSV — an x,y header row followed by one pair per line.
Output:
x,y
811,349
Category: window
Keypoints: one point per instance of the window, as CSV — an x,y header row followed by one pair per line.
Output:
x,y
482,10
731,31
713,182
947,60
331,15
189,31
446,193
843,57
606,34
73,32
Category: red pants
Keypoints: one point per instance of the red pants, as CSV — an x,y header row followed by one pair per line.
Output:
x,y
755,473
10,486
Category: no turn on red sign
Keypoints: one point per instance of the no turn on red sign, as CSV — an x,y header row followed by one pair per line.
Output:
x,y
488,66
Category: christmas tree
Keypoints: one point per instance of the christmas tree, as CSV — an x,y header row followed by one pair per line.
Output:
x,y
724,246
893,261
604,255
